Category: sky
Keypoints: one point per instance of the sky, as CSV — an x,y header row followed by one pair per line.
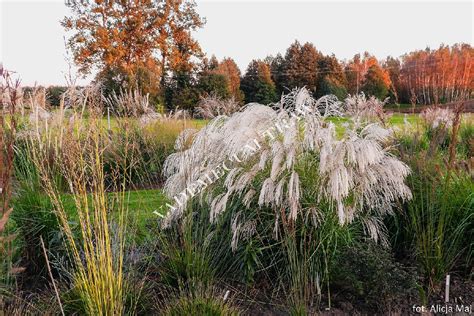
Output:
x,y
32,40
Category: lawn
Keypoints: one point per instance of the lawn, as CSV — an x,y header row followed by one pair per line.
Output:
x,y
140,204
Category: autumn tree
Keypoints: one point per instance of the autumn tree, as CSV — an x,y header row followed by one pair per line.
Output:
x,y
181,91
360,80
257,83
229,69
375,82
209,64
125,39
300,66
438,76
392,66
331,77
211,82
277,64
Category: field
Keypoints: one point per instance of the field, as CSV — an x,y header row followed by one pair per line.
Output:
x,y
350,209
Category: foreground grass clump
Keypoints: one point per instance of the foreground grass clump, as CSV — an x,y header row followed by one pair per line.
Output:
x,y
74,172
97,255
294,194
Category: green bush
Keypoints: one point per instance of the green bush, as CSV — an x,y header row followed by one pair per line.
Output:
x,y
367,274
54,94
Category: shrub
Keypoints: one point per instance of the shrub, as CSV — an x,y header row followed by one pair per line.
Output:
x,y
367,274
54,95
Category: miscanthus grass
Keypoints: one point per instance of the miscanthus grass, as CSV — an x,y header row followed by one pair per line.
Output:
x,y
287,160
212,106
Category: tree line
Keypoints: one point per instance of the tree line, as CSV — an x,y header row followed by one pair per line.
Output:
x,y
149,45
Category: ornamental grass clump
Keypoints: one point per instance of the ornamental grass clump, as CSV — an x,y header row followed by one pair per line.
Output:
x,y
74,152
284,174
212,106
129,103
437,225
435,117
360,107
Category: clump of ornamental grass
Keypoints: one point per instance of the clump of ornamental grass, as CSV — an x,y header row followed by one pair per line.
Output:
x,y
212,106
34,215
9,98
437,225
131,103
81,98
36,102
355,172
97,255
290,161
437,122
437,117
360,107
204,302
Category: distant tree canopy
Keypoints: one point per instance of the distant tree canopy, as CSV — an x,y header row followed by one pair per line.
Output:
x,y
298,68
134,44
442,75
331,78
367,75
257,83
375,82
148,45
229,69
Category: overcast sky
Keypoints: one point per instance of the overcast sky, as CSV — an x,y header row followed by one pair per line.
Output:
x,y
32,39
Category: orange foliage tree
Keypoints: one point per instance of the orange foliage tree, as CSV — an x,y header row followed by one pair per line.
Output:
x,y
229,69
130,37
364,73
438,76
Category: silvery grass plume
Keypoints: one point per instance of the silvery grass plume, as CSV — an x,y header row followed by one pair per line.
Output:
x,y
36,101
356,173
437,117
152,117
199,153
212,106
129,103
79,98
362,108
178,114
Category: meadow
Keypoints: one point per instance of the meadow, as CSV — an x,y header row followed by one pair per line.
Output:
x,y
350,208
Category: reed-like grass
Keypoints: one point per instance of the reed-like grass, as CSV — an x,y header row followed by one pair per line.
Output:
x,y
97,253
9,97
437,224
